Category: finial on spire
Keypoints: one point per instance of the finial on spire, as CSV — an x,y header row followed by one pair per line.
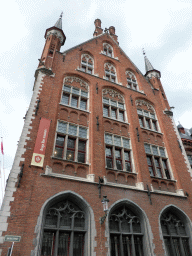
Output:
x,y
143,51
61,15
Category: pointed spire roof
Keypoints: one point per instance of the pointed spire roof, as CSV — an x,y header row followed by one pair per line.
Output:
x,y
148,65
58,24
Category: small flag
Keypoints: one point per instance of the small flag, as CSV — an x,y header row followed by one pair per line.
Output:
x,y
2,146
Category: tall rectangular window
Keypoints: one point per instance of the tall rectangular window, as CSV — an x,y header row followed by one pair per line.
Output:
x,y
157,161
114,109
147,120
118,152
71,142
74,97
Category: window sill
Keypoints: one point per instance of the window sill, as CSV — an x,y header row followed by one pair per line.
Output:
x,y
121,171
163,179
113,58
115,120
86,111
149,130
95,75
65,160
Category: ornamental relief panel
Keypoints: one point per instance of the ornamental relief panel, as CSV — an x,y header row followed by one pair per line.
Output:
x,y
114,94
140,103
71,79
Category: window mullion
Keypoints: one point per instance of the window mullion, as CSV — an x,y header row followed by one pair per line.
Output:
x,y
114,159
154,165
109,110
121,243
162,168
76,149
123,159
56,243
65,147
72,238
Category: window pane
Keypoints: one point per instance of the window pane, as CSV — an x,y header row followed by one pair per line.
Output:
x,y
126,143
108,152
154,125
70,155
113,103
128,166
78,244
62,127
106,101
162,151
147,148
83,68
126,155
84,94
117,141
152,115
148,124
83,104
67,88
106,111
146,113
81,146
141,121
59,141
139,111
118,164
108,139
121,116
82,132
65,99
118,153
113,113
155,151
75,91
48,243
72,130
121,105
81,157
74,101
71,143
64,242
58,152
89,71
113,79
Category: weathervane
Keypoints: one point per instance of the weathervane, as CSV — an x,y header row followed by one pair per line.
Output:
x,y
61,15
143,51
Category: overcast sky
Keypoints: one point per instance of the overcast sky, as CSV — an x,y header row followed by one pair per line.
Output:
x,y
163,28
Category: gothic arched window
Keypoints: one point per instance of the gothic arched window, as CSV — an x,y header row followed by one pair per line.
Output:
x,y
126,237
110,72
175,235
87,63
64,230
131,81
108,50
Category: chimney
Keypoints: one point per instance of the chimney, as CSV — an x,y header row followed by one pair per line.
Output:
x,y
112,33
98,29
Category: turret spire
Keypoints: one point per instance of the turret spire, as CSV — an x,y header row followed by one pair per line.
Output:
x,y
148,65
58,24
150,71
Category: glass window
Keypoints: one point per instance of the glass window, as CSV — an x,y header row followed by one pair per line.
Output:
x,y
75,149
117,141
147,120
126,237
110,72
64,223
131,81
107,49
157,165
87,63
108,139
174,235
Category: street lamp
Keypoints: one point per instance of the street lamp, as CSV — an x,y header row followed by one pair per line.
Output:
x,y
105,209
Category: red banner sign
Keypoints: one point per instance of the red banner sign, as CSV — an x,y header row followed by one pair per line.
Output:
x,y
40,144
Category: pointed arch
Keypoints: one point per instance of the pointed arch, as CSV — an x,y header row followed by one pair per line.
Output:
x,y
108,49
87,63
130,212
175,231
131,80
110,72
79,204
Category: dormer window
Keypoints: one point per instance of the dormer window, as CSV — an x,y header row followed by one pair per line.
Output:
x,y
87,63
131,81
110,72
108,50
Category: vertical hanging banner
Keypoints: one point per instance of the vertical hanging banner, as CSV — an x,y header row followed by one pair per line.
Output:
x,y
40,144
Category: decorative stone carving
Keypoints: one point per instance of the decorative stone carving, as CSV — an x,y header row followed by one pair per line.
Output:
x,y
86,56
113,94
71,79
57,33
144,103
130,74
109,66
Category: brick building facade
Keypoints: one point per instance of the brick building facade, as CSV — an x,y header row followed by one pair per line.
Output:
x,y
96,126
